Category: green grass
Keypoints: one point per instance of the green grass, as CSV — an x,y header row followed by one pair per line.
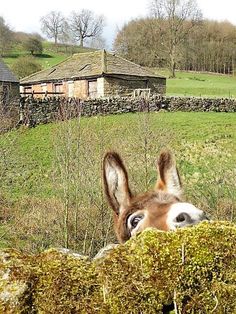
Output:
x,y
33,148
50,56
200,84
44,168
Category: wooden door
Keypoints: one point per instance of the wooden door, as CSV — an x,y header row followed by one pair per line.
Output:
x,y
92,89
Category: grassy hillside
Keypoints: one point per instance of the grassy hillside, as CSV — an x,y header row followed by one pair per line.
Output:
x,y
50,176
50,56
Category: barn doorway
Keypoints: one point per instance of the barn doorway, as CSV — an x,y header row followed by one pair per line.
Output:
x,y
92,89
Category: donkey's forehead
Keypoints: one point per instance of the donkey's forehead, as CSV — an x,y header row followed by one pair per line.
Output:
x,y
154,205
159,197
150,200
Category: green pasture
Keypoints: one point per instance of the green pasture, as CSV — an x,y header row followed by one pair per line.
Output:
x,y
33,150
51,190
200,84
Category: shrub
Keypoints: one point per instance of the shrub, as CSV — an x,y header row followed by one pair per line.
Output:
x,y
25,66
33,45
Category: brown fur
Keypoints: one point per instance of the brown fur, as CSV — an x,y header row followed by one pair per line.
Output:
x,y
165,163
154,204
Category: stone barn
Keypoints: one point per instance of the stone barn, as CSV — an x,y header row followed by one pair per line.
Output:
x,y
92,75
9,85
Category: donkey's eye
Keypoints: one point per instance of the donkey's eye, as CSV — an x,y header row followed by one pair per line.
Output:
x,y
135,220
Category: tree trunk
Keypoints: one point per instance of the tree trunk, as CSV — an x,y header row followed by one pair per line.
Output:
x,y
233,66
172,65
56,43
81,44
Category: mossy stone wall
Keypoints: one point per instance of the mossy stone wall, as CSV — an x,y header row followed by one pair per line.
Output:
x,y
194,269
36,111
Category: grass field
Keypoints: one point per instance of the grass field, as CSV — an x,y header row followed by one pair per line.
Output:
x,y
36,145
56,169
200,84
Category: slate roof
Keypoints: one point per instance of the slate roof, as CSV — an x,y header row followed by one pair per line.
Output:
x,y
6,75
88,65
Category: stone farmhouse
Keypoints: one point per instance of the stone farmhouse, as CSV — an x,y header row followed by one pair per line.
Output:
x,y
9,84
92,75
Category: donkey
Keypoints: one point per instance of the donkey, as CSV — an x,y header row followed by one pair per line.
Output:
x,y
160,208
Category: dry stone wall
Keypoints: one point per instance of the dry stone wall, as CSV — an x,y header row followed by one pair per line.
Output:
x,y
38,111
191,270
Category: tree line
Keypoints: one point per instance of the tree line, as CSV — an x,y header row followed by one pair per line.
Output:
x,y
175,35
208,47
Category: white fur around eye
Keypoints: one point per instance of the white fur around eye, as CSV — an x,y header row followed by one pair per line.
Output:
x,y
176,209
129,222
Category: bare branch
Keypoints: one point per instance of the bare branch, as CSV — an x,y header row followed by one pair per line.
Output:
x,y
53,25
177,18
85,24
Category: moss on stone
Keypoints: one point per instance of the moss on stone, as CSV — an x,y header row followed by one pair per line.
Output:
x,y
66,284
193,267
16,282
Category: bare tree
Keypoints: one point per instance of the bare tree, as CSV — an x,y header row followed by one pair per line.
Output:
x,y
85,24
98,42
53,25
144,34
177,18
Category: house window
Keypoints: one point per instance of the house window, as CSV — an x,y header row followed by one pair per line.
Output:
x,y
92,89
70,89
44,87
28,89
58,87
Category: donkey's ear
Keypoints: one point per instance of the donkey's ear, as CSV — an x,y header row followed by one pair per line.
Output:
x,y
169,176
116,182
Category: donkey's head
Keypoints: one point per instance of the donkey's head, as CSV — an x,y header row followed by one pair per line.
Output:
x,y
160,208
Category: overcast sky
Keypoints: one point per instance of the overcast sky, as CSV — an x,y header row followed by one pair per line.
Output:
x,y
24,15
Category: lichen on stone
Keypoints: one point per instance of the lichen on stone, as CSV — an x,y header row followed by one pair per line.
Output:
x,y
15,282
193,268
